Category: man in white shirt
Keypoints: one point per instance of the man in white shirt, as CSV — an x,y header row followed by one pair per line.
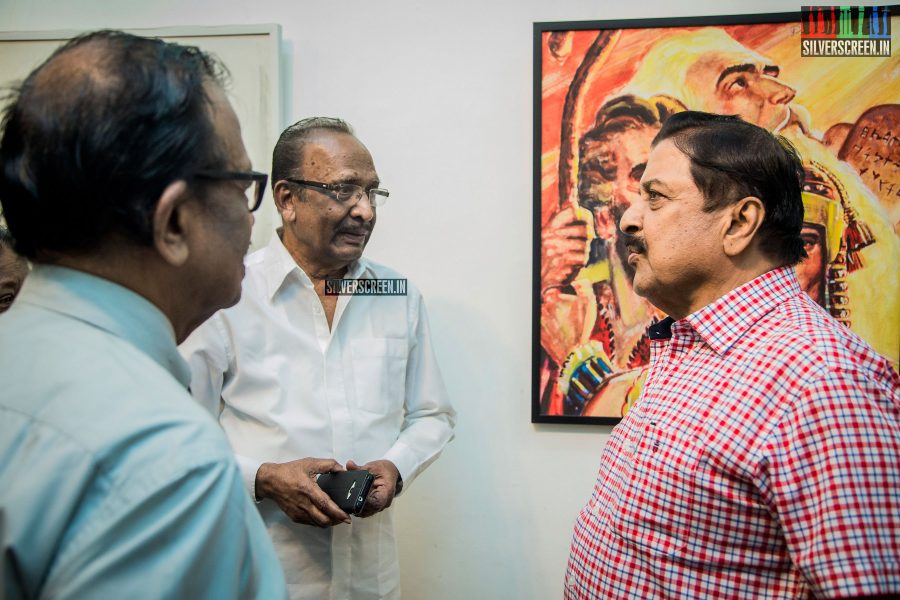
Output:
x,y
294,372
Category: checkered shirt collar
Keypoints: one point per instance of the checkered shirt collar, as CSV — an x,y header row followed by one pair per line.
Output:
x,y
721,323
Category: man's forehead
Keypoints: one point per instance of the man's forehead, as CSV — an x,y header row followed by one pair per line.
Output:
x,y
667,165
333,142
337,151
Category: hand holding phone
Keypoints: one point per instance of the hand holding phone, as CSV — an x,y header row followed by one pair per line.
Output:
x,y
348,489
385,485
292,486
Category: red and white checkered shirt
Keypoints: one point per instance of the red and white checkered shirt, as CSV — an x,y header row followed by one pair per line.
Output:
x,y
761,461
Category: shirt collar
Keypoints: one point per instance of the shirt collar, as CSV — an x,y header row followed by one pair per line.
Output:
x,y
110,307
661,330
722,322
279,265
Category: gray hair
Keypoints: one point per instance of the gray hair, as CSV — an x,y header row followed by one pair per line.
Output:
x,y
289,149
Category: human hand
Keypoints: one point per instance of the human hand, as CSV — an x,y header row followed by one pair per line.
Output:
x,y
384,487
563,318
293,487
564,248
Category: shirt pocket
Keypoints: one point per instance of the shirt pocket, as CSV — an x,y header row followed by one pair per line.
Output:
x,y
655,505
379,367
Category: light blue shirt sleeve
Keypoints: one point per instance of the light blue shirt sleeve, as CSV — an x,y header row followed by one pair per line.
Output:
x,y
113,482
198,511
214,539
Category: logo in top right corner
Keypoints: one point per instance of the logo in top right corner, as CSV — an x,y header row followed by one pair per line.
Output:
x,y
845,31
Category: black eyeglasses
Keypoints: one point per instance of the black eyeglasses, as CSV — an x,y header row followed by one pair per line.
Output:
x,y
348,194
254,192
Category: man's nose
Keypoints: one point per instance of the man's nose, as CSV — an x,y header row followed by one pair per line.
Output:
x,y
778,92
363,209
630,221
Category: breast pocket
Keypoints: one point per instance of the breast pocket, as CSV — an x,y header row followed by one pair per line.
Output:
x,y
654,508
379,367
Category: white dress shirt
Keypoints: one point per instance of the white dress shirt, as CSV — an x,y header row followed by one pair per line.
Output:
x,y
369,388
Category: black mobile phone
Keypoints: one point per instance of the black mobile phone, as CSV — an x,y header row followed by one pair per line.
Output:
x,y
348,489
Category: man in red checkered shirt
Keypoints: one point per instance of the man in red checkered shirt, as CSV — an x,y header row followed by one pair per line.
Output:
x,y
763,457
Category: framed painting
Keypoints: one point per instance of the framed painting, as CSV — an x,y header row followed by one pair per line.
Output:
x,y
250,52
824,78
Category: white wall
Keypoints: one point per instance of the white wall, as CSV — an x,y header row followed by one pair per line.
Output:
x,y
441,92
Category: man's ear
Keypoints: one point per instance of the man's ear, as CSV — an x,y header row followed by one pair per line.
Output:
x,y
745,218
283,194
172,223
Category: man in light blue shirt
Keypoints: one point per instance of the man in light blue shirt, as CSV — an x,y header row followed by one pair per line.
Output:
x,y
124,180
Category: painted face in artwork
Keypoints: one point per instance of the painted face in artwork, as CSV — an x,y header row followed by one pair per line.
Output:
x,y
811,271
610,172
744,86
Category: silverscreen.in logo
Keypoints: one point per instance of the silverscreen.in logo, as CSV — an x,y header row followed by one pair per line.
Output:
x,y
845,31
365,287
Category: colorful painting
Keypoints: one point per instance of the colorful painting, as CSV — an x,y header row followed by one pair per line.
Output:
x,y
603,90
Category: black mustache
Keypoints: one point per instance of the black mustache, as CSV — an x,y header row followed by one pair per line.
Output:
x,y
634,243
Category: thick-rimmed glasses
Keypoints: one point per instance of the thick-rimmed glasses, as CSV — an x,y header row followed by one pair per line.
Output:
x,y
348,194
254,192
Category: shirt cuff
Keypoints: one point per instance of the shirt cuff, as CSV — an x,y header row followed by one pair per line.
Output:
x,y
404,459
249,467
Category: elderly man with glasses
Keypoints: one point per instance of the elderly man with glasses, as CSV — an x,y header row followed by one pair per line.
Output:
x,y
125,182
294,372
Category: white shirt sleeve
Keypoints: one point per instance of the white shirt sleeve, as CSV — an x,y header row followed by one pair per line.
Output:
x,y
211,360
206,353
429,418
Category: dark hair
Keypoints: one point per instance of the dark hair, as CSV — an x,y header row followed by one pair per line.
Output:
x,y
94,135
623,112
732,159
6,238
288,150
